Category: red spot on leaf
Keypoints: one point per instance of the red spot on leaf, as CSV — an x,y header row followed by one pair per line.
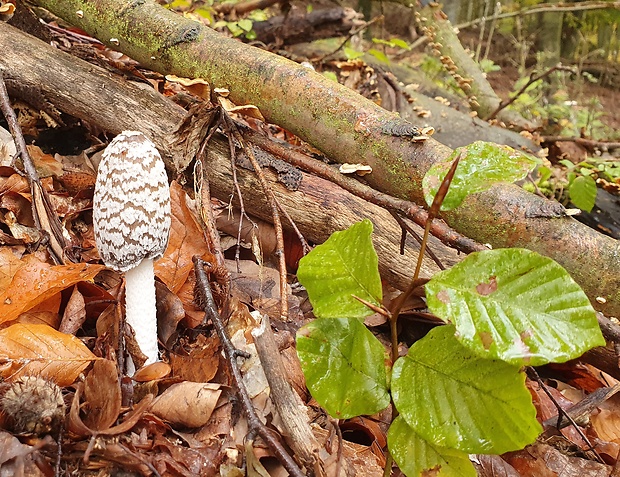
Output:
x,y
443,296
485,289
487,339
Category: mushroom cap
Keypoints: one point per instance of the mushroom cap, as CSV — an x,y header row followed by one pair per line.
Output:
x,y
131,204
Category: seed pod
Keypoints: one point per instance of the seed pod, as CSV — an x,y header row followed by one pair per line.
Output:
x,y
33,405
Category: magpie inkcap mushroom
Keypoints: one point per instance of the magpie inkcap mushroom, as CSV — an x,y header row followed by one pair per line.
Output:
x,y
131,220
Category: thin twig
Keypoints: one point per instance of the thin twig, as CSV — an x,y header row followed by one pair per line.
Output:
x,y
487,5
231,353
291,409
412,211
349,36
406,228
304,243
244,7
275,213
43,213
533,79
590,143
563,414
201,180
496,10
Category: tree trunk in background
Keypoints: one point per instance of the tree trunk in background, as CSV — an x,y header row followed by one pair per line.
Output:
x,y
549,38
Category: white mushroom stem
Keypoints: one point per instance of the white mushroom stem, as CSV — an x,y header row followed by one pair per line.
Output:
x,y
140,307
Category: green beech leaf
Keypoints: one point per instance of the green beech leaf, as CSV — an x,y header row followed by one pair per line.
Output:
x,y
245,24
400,43
352,54
582,192
345,367
453,398
345,265
379,55
416,457
515,305
482,164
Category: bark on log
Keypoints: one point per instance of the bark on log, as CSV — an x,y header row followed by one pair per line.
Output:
x,y
344,125
457,127
113,104
297,28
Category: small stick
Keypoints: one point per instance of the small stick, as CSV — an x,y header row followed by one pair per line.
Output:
x,y
244,7
231,353
45,218
206,212
533,79
291,409
591,143
563,414
349,36
275,212
406,228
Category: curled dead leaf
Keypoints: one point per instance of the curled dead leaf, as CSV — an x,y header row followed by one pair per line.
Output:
x,y
189,404
77,426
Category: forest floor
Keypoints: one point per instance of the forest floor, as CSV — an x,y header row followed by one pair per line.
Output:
x,y
155,439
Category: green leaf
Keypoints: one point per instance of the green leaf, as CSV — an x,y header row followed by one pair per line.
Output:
x,y
453,398
352,54
345,367
400,43
482,164
415,456
516,305
379,55
544,173
345,265
205,13
582,192
245,24
330,75
234,28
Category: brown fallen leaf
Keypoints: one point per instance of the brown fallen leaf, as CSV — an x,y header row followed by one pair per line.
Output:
x,y
189,404
17,458
152,372
40,350
169,312
102,393
186,240
75,313
37,281
77,426
201,363
45,313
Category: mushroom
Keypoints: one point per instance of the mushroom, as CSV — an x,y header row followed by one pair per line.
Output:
x,y
131,221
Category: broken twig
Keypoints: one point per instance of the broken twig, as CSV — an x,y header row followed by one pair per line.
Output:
x,y
45,218
232,353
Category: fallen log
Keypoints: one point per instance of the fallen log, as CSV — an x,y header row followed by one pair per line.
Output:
x,y
344,125
296,27
112,103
